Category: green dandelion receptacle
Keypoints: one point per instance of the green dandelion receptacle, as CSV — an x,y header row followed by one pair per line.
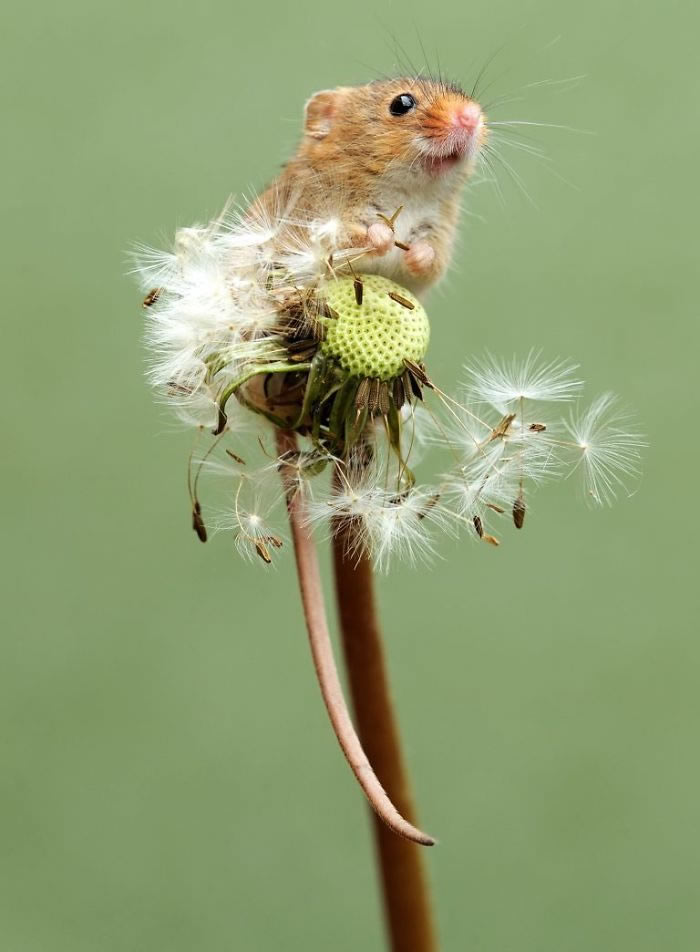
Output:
x,y
376,326
365,359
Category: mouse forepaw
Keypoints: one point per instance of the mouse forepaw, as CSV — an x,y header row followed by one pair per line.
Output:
x,y
420,258
380,237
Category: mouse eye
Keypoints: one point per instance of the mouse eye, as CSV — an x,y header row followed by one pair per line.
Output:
x,y
402,104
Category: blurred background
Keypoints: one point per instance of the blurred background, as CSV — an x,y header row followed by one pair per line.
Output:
x,y
169,780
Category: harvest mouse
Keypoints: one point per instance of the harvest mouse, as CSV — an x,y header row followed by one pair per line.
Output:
x,y
368,151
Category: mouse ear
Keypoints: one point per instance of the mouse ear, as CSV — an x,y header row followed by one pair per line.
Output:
x,y
319,112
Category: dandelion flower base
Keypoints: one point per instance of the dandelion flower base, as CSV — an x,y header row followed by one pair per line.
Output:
x,y
376,327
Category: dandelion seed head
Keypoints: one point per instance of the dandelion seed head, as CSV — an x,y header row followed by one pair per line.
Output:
x,y
239,313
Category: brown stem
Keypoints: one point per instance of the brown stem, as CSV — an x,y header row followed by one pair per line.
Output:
x,y
324,662
406,900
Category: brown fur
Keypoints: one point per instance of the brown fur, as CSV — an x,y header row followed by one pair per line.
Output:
x,y
361,162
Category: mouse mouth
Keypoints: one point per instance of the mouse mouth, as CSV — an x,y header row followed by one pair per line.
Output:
x,y
439,164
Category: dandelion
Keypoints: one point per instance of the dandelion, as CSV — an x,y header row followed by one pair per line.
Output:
x,y
310,376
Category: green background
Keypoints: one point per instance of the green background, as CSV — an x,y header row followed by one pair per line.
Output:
x,y
169,780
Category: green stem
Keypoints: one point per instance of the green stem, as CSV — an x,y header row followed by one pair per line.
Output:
x,y
228,392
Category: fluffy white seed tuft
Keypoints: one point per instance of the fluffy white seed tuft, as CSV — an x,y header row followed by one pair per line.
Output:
x,y
504,384
609,445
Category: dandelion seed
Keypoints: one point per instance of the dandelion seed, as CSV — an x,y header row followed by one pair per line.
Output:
x,y
262,551
400,299
362,395
505,384
519,512
152,297
252,535
609,445
198,522
398,526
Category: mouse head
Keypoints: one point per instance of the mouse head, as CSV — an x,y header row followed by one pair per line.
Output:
x,y
410,126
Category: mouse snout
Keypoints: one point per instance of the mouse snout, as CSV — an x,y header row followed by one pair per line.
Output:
x,y
468,117
454,128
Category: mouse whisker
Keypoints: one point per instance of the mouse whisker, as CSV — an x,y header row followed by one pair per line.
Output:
x,y
542,125
500,101
569,81
515,176
527,147
486,160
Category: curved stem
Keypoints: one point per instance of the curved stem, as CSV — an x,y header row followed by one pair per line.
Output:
x,y
324,662
227,393
404,883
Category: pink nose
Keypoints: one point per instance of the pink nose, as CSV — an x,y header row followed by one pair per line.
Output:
x,y
468,117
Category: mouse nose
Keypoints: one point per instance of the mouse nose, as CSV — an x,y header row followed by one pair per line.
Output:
x,y
468,117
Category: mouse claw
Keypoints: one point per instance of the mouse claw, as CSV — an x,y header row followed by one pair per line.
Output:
x,y
420,258
380,237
